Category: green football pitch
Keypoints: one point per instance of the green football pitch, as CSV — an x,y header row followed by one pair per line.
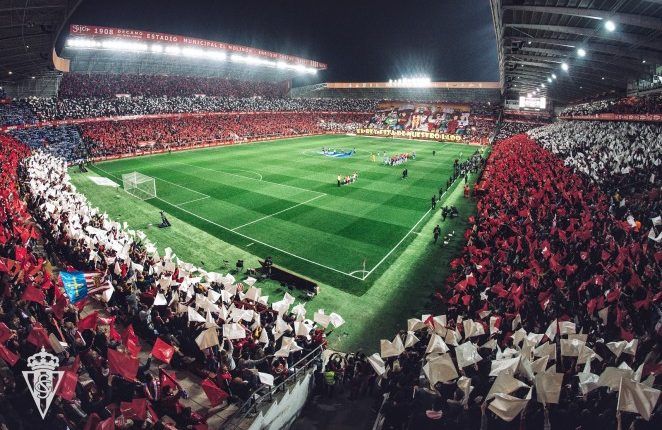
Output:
x,y
280,198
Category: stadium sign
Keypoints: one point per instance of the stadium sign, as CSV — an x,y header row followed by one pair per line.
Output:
x,y
94,31
411,134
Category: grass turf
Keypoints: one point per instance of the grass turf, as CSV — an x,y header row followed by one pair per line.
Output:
x,y
282,199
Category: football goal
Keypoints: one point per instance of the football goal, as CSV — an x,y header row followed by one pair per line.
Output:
x,y
139,185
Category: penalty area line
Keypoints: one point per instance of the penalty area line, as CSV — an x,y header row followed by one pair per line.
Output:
x,y
260,242
276,213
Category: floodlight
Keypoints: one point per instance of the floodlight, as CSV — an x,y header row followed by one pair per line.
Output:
x,y
157,49
549,80
553,76
581,52
564,66
610,26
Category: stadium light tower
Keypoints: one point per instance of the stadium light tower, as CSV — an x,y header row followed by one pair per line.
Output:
x,y
610,26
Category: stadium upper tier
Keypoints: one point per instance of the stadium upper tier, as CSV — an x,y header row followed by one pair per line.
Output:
x,y
460,92
47,109
94,49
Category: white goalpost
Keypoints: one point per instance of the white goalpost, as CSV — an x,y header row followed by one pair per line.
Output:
x,y
139,185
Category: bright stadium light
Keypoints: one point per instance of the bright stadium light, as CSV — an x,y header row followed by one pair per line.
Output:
x,y
553,76
173,50
157,49
217,55
581,52
542,85
565,67
549,80
610,26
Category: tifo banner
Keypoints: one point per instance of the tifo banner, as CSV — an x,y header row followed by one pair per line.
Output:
x,y
617,117
410,134
151,36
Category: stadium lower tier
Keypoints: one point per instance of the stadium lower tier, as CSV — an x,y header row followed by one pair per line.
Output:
x,y
549,319
107,138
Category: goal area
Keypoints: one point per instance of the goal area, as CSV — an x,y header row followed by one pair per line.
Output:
x,y
139,185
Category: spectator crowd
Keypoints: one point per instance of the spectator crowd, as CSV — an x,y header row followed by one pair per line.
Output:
x,y
623,158
47,109
191,320
649,104
550,318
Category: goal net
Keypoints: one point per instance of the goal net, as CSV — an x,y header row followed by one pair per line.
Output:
x,y
139,185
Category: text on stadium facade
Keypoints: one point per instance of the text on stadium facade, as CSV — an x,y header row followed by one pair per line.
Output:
x,y
98,31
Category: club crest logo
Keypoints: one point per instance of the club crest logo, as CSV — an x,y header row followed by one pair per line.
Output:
x,y
43,380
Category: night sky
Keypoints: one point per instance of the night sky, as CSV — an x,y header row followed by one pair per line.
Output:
x,y
359,40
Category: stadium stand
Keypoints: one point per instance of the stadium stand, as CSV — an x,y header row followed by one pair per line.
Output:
x,y
145,296
472,122
623,158
649,104
80,85
16,113
48,109
553,299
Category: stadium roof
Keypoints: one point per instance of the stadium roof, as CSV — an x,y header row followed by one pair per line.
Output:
x,y
95,49
461,92
28,31
603,44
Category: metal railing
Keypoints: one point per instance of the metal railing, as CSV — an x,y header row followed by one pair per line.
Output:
x,y
256,400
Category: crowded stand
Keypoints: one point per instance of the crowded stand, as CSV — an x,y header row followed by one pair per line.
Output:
x,y
61,141
16,113
623,158
117,137
81,85
48,109
648,104
509,128
191,320
451,119
550,318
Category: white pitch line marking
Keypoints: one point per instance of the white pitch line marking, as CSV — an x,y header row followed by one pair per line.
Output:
x,y
402,240
250,179
191,201
248,237
276,213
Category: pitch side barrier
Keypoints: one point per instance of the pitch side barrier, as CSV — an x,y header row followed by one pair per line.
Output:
x,y
60,122
205,144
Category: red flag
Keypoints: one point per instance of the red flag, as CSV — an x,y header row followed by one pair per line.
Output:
x,y
130,340
5,333
162,350
214,394
137,409
20,253
89,322
67,388
33,294
122,364
93,421
8,356
60,305
167,379
39,338
107,424
74,366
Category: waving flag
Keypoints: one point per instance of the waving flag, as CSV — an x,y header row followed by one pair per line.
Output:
x,y
78,285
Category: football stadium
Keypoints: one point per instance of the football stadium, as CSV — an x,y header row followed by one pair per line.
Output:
x,y
331,216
